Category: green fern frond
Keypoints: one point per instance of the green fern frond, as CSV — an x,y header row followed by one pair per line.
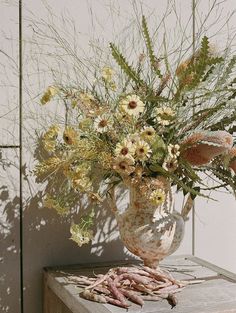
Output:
x,y
232,129
228,71
225,176
226,121
194,191
148,42
124,65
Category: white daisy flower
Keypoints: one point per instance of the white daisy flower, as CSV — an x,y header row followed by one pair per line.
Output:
x,y
148,133
142,150
134,138
173,150
170,164
124,164
132,105
125,148
165,115
102,123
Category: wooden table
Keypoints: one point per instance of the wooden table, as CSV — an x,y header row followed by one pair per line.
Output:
x,y
216,294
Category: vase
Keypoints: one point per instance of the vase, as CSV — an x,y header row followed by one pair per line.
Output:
x,y
150,231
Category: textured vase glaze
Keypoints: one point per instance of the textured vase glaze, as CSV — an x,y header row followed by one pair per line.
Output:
x,y
149,231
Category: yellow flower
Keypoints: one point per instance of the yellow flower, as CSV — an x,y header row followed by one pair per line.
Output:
x,y
49,94
85,124
105,159
52,203
125,148
112,85
70,136
165,115
49,138
47,166
148,133
83,183
86,98
107,73
132,105
142,150
80,235
124,165
157,197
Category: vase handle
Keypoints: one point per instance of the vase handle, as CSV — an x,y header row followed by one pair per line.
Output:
x,y
187,208
112,202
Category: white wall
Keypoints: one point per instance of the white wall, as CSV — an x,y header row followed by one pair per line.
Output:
x,y
45,236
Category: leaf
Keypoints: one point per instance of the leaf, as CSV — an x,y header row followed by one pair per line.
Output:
x,y
227,120
228,71
148,42
124,65
193,191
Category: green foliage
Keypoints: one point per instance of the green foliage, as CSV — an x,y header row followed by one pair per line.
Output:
x,y
159,150
187,187
225,176
124,65
197,68
148,42
228,71
81,233
224,122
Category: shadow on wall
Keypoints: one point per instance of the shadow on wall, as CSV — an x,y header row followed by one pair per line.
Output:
x,y
46,240
9,236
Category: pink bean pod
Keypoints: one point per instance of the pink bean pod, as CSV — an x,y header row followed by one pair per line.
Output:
x,y
115,302
97,282
136,278
116,293
142,288
89,295
132,270
167,289
151,298
132,296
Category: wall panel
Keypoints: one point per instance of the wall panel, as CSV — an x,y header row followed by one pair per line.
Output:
x,y
9,160
215,220
9,232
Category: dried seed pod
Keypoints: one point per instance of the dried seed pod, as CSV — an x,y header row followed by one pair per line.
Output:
x,y
117,294
172,300
98,281
151,298
115,302
89,295
131,295
142,288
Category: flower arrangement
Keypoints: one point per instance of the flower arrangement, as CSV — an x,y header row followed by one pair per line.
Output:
x,y
157,121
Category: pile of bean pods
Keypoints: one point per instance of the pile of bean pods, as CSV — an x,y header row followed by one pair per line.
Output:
x,y
137,284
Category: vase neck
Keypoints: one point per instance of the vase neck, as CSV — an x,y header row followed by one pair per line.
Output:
x,y
139,202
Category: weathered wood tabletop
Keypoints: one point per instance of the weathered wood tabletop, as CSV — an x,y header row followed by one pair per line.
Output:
x,y
216,294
